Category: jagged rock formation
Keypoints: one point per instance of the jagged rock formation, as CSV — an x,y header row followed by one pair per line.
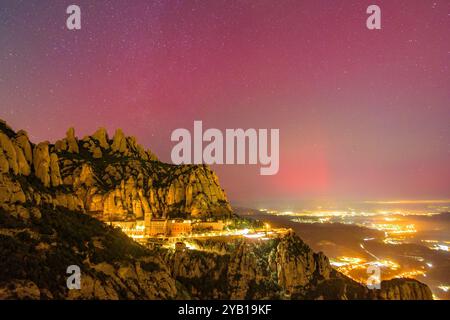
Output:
x,y
116,179
37,249
296,264
284,268
404,289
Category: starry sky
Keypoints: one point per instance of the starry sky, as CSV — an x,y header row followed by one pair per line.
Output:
x,y
362,114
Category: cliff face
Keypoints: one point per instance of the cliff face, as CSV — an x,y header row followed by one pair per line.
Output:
x,y
284,268
404,289
37,249
277,269
115,179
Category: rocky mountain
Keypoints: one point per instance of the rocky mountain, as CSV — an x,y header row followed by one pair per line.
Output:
x,y
284,268
37,250
115,179
50,195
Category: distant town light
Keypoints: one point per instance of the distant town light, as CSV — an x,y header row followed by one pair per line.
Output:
x,y
444,288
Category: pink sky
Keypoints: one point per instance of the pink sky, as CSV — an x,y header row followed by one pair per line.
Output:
x,y
362,114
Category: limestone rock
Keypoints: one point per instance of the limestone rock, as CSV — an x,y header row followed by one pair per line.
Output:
x,y
55,175
102,137
119,142
72,143
22,162
296,264
8,157
24,143
41,163
86,176
404,289
61,145
10,191
97,153
20,290
131,186
68,201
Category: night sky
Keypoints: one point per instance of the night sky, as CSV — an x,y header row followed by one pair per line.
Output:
x,y
362,114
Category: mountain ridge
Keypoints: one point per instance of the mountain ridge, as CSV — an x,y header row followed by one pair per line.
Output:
x,y
115,178
53,196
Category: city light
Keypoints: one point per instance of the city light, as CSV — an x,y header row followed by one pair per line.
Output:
x,y
396,228
444,288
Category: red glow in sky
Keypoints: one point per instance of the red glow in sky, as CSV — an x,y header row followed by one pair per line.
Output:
x,y
362,114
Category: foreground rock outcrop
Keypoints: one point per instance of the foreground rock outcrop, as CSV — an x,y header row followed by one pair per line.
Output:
x,y
284,268
404,289
37,249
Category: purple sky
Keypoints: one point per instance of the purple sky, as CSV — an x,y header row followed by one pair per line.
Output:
x,y
362,114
